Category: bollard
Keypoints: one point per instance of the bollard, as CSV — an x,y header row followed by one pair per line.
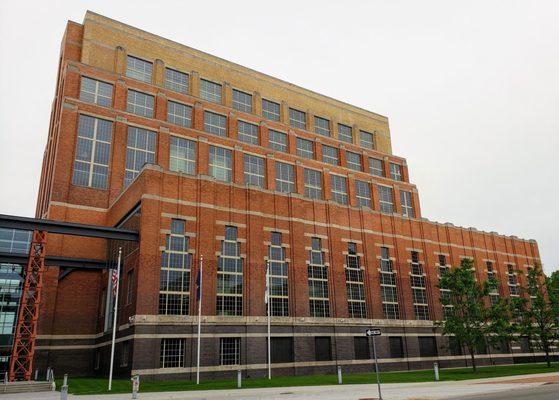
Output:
x,y
436,367
48,374
36,374
64,388
135,386
339,375
51,380
6,378
239,378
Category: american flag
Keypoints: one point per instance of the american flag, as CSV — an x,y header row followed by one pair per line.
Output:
x,y
114,281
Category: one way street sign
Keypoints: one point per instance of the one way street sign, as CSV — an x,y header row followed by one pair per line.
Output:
x,y
372,332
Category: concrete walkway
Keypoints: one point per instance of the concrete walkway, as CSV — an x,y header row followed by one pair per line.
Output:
x,y
395,391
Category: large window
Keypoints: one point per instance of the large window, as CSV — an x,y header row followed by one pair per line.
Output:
x,y
330,155
230,351
139,69
285,177
427,346
221,163
281,349
182,155
97,92
210,91
277,140
366,140
361,348
215,123
140,150
255,171
93,150
355,283
388,288
385,199
444,293
242,101
396,347
376,167
176,80
247,133
493,279
174,278
179,114
313,184
279,291
139,103
418,288
512,281
318,281
297,119
230,275
322,348
353,161
407,205
363,193
172,353
321,126
395,172
305,148
270,110
345,133
338,187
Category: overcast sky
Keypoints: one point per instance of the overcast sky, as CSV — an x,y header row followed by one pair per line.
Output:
x,y
471,89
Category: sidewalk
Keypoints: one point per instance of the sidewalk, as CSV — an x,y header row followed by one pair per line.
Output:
x,y
394,391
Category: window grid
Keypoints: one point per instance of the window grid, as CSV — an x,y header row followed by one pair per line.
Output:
x,y
305,148
140,150
277,140
512,281
389,292
210,91
493,279
285,178
96,92
385,199
176,80
242,101
321,126
318,281
278,272
179,114
139,103
297,119
255,171
221,163
407,205
363,193
182,155
330,155
172,353
215,123
355,284
139,69
418,286
376,167
395,172
338,188
174,278
247,133
366,140
270,110
353,161
345,133
313,184
129,286
93,150
230,351
230,275
444,293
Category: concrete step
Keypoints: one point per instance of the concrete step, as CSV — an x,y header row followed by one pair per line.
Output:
x,y
25,387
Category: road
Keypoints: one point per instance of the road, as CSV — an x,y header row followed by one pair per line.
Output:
x,y
544,392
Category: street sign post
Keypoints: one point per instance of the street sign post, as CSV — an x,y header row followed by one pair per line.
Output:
x,y
373,332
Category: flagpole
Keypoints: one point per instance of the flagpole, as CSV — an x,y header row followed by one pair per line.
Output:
x,y
199,320
114,318
268,303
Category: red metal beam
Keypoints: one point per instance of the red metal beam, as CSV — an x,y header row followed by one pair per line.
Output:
x,y
21,362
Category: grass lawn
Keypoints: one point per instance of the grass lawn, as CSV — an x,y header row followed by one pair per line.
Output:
x,y
99,386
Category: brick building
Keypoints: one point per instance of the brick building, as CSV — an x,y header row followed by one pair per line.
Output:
x,y
210,159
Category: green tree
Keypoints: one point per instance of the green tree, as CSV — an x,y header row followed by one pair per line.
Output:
x,y
537,311
472,320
